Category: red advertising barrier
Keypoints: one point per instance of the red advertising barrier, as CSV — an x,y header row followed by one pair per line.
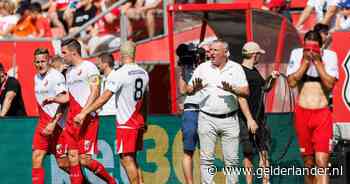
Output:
x,y
341,91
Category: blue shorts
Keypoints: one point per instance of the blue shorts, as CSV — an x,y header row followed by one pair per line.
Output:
x,y
189,130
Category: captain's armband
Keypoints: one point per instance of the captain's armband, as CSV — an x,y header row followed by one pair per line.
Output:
x,y
94,80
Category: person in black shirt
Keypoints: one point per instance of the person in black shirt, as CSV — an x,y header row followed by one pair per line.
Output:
x,y
11,101
254,132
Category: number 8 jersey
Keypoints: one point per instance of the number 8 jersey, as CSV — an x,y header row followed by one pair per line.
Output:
x,y
129,84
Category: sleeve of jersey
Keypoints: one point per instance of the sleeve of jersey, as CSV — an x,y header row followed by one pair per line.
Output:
x,y
293,64
92,70
60,85
113,82
331,65
241,77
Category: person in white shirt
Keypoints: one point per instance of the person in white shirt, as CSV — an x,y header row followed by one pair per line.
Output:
x,y
48,136
105,63
343,18
83,82
7,17
325,11
218,110
314,72
128,84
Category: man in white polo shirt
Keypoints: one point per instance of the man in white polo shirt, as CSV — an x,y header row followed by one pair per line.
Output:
x,y
218,111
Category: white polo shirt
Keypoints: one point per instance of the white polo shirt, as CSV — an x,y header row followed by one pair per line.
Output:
x,y
217,100
329,58
321,6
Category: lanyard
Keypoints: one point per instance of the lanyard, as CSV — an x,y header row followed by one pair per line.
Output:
x,y
3,85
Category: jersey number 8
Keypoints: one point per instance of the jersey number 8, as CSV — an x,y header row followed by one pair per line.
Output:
x,y
138,89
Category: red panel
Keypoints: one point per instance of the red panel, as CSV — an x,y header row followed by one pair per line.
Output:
x,y
173,84
249,22
278,58
6,54
340,45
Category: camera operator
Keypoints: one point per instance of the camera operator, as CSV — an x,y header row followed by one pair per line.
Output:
x,y
315,72
190,57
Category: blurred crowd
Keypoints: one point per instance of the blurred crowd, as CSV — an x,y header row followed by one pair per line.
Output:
x,y
58,18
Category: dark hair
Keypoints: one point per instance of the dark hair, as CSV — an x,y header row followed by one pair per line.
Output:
x,y
35,7
319,27
40,51
2,69
72,45
313,36
107,58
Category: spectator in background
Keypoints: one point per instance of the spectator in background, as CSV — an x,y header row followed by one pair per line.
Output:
x,y
60,12
145,9
105,63
7,17
25,25
41,23
343,18
106,31
325,10
11,101
85,12
278,6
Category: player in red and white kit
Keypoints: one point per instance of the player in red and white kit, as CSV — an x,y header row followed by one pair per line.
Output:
x,y
83,87
50,92
129,84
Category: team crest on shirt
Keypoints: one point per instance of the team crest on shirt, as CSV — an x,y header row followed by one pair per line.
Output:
x,y
346,87
87,145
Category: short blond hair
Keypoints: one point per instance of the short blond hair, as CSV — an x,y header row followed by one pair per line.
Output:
x,y
128,48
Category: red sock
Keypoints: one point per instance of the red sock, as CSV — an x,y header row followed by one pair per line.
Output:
x,y
38,175
101,172
76,177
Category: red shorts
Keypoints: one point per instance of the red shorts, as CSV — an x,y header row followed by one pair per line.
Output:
x,y
129,140
313,129
53,144
82,138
